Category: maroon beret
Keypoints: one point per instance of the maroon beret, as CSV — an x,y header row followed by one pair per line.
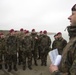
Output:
x,y
21,29
27,31
40,31
12,30
59,33
1,33
45,32
33,30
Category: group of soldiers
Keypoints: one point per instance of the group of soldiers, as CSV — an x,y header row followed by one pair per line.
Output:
x,y
21,47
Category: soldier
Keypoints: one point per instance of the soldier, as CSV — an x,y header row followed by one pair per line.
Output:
x,y
68,62
20,36
59,43
39,43
16,34
4,55
34,45
11,50
54,42
2,48
27,50
45,46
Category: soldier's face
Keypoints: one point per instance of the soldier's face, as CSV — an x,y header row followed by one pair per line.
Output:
x,y
56,37
60,35
72,18
12,33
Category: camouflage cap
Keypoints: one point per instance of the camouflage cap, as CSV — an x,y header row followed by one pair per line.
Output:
x,y
74,8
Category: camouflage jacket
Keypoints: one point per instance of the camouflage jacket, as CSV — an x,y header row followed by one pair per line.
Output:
x,y
34,37
2,44
68,62
59,44
11,44
26,43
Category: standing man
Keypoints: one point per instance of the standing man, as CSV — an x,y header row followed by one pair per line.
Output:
x,y
11,51
20,36
54,42
2,48
34,37
59,43
39,44
27,50
68,62
45,46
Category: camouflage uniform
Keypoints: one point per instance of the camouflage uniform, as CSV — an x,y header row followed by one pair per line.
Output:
x,y
54,44
59,44
45,45
68,62
34,46
39,46
2,48
4,51
11,51
20,36
26,51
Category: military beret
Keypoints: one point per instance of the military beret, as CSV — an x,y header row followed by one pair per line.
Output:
x,y
74,8
33,30
16,31
45,32
11,30
27,31
40,31
59,33
21,29
1,33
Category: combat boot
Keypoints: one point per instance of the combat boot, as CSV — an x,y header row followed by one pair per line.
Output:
x,y
30,67
38,58
15,68
19,63
24,67
41,63
45,64
6,66
10,68
36,63
0,66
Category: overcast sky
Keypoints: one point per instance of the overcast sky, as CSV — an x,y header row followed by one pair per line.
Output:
x,y
50,15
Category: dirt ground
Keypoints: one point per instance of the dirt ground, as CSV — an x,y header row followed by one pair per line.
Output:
x,y
36,70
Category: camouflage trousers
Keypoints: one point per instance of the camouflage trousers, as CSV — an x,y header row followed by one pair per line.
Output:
x,y
0,57
11,59
27,56
44,58
20,57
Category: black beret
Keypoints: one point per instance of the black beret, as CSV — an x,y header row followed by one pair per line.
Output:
x,y
74,8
